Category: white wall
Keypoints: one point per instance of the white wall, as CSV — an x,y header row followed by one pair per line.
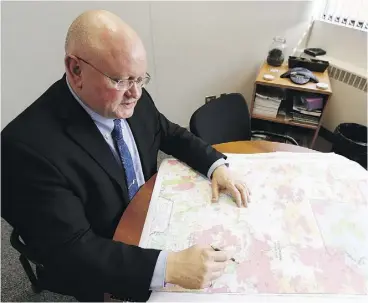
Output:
x,y
347,49
195,48
340,42
32,45
347,104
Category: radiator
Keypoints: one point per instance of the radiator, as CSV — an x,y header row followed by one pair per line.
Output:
x,y
347,77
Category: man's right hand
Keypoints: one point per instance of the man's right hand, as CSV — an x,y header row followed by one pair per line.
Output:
x,y
195,267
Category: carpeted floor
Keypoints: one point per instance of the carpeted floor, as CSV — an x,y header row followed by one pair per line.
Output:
x,y
15,286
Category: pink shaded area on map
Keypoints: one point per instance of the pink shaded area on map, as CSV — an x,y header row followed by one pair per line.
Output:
x,y
319,207
184,186
281,169
207,237
288,192
257,269
185,183
285,191
286,169
332,274
172,162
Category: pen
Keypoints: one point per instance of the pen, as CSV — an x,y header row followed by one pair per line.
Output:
x,y
217,249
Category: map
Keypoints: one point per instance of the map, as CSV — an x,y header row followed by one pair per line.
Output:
x,y
305,229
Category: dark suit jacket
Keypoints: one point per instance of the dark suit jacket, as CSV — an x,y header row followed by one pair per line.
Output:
x,y
64,192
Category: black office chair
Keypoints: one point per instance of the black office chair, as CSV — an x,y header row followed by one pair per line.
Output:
x,y
227,119
25,258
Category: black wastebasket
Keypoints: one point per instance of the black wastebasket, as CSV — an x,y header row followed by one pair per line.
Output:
x,y
350,141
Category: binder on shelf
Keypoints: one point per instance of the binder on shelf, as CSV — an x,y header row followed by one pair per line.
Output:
x,y
312,103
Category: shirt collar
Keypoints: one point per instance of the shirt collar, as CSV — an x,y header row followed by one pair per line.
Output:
x,y
106,123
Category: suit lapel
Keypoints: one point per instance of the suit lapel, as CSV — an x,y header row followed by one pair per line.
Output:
x,y
81,128
94,144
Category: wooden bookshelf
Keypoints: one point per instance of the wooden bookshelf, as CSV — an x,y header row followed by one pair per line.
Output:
x,y
287,84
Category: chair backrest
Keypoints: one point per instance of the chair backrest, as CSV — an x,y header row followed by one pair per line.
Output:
x,y
224,119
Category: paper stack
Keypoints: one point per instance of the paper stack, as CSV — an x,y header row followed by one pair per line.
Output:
x,y
266,105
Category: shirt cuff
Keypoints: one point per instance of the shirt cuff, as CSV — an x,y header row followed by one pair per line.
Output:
x,y
159,273
216,164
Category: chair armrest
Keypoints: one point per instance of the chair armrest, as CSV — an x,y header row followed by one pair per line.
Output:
x,y
16,242
286,137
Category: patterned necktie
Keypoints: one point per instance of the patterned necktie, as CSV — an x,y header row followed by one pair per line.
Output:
x,y
125,157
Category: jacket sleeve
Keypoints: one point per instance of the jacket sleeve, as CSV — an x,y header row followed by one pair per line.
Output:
x,y
185,146
38,200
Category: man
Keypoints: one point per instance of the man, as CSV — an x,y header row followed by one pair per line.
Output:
x,y
74,159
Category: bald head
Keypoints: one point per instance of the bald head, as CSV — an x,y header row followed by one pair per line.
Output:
x,y
100,32
103,52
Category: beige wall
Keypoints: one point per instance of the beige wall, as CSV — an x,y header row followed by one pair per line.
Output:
x,y
347,48
195,48
32,45
340,42
347,104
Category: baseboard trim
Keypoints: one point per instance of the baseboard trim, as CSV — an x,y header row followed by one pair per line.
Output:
x,y
326,134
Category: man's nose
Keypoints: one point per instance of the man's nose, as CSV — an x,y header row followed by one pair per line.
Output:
x,y
134,91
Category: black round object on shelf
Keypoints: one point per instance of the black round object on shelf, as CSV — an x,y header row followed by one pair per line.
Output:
x,y
275,57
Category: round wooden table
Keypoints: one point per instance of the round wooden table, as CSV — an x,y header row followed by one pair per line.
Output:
x,y
132,221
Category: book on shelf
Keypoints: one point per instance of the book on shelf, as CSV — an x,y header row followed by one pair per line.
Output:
x,y
265,112
302,111
316,113
305,119
267,102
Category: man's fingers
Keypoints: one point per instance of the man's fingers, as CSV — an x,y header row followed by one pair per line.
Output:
x,y
242,184
216,274
215,190
213,277
218,256
243,193
236,194
218,266
248,192
246,188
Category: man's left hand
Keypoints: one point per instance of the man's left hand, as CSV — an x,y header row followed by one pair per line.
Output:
x,y
223,180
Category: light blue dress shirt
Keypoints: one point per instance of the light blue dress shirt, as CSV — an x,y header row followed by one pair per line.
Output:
x,y
105,126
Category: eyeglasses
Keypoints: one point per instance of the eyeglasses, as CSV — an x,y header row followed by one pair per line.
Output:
x,y
122,84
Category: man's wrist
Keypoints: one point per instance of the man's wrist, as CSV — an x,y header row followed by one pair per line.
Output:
x,y
159,273
215,165
170,268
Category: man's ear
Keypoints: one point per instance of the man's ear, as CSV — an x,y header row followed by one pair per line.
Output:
x,y
73,70
76,70
72,66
